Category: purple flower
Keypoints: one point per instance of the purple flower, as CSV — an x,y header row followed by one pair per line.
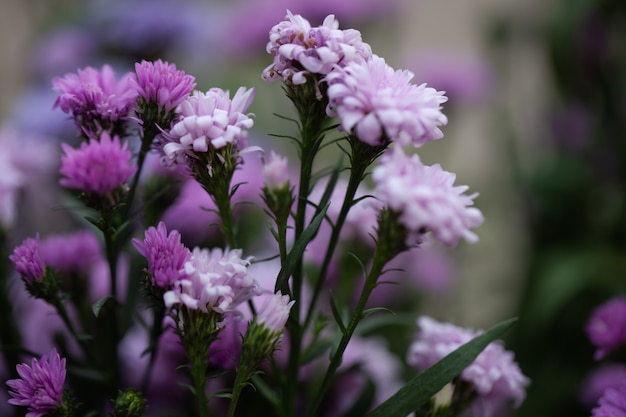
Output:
x,y
274,313
40,387
98,166
216,280
299,49
94,96
494,375
210,120
28,261
612,403
165,253
379,104
161,83
426,199
609,375
76,252
606,327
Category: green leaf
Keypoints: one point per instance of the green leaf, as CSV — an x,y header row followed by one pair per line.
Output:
x,y
420,389
337,314
97,306
298,249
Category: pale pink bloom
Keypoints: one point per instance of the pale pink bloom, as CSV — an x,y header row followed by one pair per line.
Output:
x,y
426,199
215,280
98,166
275,311
275,171
209,120
379,104
299,49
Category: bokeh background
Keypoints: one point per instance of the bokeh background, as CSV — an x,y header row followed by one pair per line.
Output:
x,y
537,115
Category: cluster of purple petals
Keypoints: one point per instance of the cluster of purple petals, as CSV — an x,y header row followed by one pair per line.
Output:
x,y
165,253
40,386
606,327
209,120
76,252
161,83
28,260
426,199
609,375
494,374
379,104
98,166
612,403
299,49
93,95
216,280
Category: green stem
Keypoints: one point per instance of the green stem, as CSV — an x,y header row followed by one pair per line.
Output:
x,y
112,257
243,375
380,259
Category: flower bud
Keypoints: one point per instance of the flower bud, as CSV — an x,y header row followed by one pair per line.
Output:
x,y
129,403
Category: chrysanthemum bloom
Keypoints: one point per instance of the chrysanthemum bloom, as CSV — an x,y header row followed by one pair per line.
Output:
x,y
606,328
165,253
98,167
426,199
494,375
95,99
76,252
215,281
28,260
274,313
161,88
299,49
40,387
612,403
379,104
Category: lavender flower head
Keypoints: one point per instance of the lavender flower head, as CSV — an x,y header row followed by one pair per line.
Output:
x,y
215,280
299,49
276,172
99,166
209,120
609,375
606,327
77,252
165,253
161,83
274,313
494,375
40,387
612,403
426,199
28,260
379,104
94,98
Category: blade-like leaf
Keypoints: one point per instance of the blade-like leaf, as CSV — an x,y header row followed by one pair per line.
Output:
x,y
97,306
421,388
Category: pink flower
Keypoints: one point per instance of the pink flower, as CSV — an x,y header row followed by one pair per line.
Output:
x,y
28,260
95,96
274,313
606,328
379,104
299,49
161,83
98,166
165,253
215,280
275,172
210,120
40,387
426,199
494,375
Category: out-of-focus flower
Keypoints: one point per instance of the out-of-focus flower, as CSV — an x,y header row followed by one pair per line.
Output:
x,y
609,375
76,252
299,49
95,98
606,327
40,386
379,104
63,50
160,84
612,403
275,172
426,199
165,253
216,280
99,166
28,260
494,375
210,120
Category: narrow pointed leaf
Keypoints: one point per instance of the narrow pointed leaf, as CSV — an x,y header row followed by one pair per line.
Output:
x,y
421,388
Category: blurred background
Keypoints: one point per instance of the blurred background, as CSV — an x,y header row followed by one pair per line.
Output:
x,y
537,108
